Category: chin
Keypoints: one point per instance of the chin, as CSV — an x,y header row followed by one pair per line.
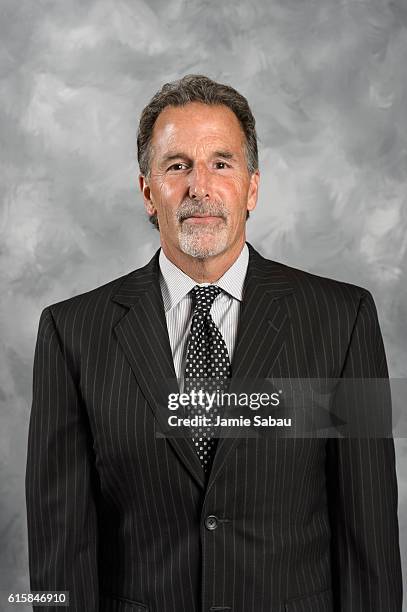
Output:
x,y
202,244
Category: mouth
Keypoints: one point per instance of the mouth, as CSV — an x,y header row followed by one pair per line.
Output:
x,y
205,219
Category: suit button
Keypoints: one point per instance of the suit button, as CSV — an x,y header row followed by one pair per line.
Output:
x,y
211,522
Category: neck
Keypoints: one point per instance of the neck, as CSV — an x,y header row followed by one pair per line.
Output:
x,y
207,270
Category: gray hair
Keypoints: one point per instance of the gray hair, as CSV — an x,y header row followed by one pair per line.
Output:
x,y
196,88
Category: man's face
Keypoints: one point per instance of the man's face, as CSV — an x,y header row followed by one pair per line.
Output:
x,y
199,185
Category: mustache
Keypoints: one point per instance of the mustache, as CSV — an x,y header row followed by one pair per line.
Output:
x,y
189,208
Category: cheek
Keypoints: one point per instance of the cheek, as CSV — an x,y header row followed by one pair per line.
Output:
x,y
236,195
167,200
170,192
236,185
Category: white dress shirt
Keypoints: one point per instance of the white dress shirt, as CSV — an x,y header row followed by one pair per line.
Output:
x,y
175,288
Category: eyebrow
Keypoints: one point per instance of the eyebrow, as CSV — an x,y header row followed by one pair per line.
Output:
x,y
224,154
172,156
181,155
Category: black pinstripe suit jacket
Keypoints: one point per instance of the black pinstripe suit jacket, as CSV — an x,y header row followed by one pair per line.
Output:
x,y
116,515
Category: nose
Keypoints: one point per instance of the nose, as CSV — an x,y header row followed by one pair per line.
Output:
x,y
199,183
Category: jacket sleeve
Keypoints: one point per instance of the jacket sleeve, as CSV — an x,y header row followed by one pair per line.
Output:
x,y
362,492
61,480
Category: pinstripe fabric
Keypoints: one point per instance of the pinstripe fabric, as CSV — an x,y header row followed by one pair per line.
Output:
x,y
117,516
175,287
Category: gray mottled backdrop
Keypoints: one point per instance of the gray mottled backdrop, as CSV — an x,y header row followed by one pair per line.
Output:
x,y
327,82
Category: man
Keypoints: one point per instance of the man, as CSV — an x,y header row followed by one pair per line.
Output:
x,y
126,518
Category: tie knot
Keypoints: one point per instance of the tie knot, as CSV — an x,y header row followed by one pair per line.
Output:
x,y
205,296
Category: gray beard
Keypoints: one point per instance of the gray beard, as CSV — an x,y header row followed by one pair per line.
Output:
x,y
192,241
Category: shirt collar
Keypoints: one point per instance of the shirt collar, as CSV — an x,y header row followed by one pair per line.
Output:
x,y
175,284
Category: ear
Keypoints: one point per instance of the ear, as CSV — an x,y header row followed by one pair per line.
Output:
x,y
145,189
253,190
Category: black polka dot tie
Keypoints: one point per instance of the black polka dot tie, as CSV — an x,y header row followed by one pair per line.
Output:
x,y
207,368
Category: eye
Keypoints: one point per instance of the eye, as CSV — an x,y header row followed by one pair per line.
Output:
x,y
178,166
221,165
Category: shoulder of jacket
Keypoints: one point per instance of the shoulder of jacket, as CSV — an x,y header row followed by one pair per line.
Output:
x,y
95,299
310,285
315,281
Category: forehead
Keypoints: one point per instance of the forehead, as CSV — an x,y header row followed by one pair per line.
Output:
x,y
195,125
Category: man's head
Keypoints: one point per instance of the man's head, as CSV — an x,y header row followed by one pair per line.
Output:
x,y
197,152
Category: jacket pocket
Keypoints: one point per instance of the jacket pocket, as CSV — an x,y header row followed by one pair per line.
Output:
x,y
315,602
109,602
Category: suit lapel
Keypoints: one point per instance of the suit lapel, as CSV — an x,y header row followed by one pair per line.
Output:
x,y
262,331
263,318
143,336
